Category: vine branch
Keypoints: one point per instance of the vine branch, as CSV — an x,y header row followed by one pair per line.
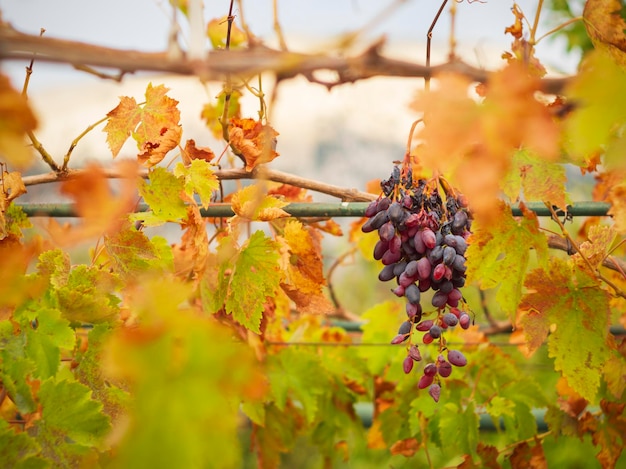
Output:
x,y
219,63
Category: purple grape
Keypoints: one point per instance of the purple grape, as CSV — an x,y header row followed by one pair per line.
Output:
x,y
446,286
418,243
405,281
435,255
425,381
438,272
387,231
449,255
405,328
456,358
411,269
398,291
444,369
372,209
435,391
414,353
455,295
450,319
461,245
386,274
407,365
380,249
459,263
429,238
435,331
375,222
399,339
423,268
465,320
383,204
459,222
424,325
430,370
395,243
439,299
424,284
396,213
412,293
391,257
398,268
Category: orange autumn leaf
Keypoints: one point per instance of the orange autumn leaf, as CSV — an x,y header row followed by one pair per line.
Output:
x,y
254,141
154,125
617,198
596,248
12,186
253,204
192,152
406,448
192,253
516,29
101,211
16,119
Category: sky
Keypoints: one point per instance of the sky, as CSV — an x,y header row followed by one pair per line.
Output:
x,y
325,135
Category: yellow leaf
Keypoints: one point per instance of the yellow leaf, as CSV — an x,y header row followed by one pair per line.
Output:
x,y
596,248
605,26
254,141
16,119
252,203
217,30
12,185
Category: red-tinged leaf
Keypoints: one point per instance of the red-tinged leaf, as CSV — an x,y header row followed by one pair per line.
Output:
x,y
609,434
191,152
122,121
255,142
153,151
16,119
406,448
596,248
253,204
526,457
569,300
301,260
537,179
615,370
199,179
605,23
192,253
501,250
488,456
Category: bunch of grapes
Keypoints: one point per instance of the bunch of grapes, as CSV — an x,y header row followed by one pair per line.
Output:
x,y
422,244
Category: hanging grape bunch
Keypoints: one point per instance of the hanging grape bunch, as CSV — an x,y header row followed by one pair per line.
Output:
x,y
422,246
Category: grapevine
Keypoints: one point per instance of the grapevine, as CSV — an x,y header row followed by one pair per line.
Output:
x,y
422,244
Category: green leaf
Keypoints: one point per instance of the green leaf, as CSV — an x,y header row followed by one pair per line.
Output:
x,y
46,334
500,253
54,264
89,295
537,178
199,178
601,110
16,368
380,327
16,220
254,275
18,450
571,300
163,195
299,375
68,410
458,427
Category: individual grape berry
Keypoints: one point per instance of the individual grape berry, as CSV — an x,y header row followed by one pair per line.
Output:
x,y
439,299
446,286
430,370
399,339
444,369
427,338
395,245
380,249
375,222
465,320
425,381
372,209
407,365
396,213
459,222
461,245
429,238
387,231
449,255
456,358
391,257
423,268
405,281
411,269
418,243
414,353
450,319
386,274
435,331
424,325
412,294
435,391
405,328
459,263
438,272
455,295
398,268
398,291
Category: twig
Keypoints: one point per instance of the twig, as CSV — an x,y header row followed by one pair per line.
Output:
x,y
251,61
346,195
105,76
66,159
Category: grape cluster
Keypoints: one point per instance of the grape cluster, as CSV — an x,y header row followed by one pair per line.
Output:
x,y
422,244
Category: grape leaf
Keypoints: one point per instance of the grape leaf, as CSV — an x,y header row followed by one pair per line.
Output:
x,y
192,253
247,277
16,368
46,334
12,221
570,299
199,178
301,260
69,410
19,450
191,152
154,126
376,330
596,248
537,178
501,251
605,25
253,204
88,296
600,112
459,427
617,198
16,119
163,195
298,375
212,113
218,29
133,253
255,141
